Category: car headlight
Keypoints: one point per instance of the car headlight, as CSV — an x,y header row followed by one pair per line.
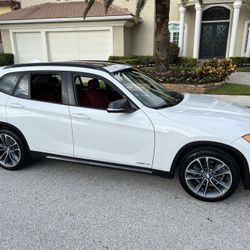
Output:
x,y
246,137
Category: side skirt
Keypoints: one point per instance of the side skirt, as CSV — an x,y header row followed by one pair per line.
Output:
x,y
163,174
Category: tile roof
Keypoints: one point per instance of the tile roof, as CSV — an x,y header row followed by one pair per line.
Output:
x,y
63,10
9,1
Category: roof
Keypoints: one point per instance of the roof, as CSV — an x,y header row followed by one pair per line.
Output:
x,y
110,67
9,1
63,10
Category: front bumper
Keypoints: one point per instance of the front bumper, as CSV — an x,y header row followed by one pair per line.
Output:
x,y
243,148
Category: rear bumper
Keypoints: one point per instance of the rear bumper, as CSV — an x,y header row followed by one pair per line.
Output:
x,y
244,148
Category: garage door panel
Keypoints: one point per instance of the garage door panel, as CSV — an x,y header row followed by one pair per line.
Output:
x,y
28,46
80,45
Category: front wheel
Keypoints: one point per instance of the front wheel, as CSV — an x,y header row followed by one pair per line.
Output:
x,y
209,174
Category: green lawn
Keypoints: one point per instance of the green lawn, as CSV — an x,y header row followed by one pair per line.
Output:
x,y
243,69
231,89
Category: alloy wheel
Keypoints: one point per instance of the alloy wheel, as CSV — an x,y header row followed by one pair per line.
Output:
x,y
208,177
10,152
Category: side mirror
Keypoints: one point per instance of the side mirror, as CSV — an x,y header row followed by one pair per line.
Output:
x,y
120,106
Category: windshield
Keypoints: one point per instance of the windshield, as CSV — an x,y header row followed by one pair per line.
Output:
x,y
149,92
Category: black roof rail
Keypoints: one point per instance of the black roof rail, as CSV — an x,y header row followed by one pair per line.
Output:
x,y
86,64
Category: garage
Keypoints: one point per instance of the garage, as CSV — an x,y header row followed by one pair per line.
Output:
x,y
53,32
62,45
79,45
28,46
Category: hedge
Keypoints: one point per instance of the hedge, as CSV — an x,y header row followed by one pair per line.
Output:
x,y
6,59
241,61
187,61
147,60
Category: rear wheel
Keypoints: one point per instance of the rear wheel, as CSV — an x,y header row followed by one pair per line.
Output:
x,y
209,174
13,153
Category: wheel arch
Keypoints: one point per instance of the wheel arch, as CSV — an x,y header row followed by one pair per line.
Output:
x,y
4,125
238,156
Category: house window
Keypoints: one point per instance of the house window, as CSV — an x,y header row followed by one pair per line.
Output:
x,y
174,29
216,13
247,37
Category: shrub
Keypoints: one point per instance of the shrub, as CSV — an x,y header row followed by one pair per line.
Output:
x,y
133,60
241,61
173,53
187,61
6,59
216,70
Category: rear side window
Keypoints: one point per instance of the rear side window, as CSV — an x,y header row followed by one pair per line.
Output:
x,y
22,90
46,87
8,82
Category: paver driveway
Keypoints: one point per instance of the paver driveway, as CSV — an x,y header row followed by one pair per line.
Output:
x,y
57,205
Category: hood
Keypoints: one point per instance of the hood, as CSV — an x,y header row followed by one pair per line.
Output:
x,y
210,114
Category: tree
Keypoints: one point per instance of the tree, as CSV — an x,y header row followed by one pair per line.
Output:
x,y
161,33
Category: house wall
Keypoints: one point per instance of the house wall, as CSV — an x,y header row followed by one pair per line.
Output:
x,y
4,9
141,35
190,21
27,3
174,10
119,30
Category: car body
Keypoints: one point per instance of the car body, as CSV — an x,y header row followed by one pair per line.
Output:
x,y
140,138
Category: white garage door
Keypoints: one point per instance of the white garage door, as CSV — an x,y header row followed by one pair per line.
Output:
x,y
80,45
28,47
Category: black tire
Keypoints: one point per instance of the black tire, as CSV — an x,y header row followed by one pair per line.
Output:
x,y
206,177
23,156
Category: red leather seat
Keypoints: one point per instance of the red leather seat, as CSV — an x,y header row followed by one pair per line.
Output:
x,y
96,97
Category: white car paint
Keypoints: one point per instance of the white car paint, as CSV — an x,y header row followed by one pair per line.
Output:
x,y
146,138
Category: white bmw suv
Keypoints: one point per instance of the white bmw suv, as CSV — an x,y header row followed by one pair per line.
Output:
x,y
112,115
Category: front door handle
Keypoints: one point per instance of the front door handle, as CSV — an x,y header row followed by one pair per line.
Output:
x,y
81,117
17,105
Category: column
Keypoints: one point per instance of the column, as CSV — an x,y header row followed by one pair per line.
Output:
x,y
182,10
236,14
197,30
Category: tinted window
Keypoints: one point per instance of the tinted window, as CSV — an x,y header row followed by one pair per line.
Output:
x,y
94,93
22,90
8,82
46,87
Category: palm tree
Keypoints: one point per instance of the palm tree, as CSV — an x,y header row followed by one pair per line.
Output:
x,y
161,34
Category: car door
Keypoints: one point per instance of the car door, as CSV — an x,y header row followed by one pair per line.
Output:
x,y
37,108
119,138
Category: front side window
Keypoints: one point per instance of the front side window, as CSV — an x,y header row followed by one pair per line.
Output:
x,y
8,82
93,92
146,90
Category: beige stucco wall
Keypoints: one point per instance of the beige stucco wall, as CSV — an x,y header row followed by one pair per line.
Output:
x,y
6,41
27,3
142,36
4,9
174,10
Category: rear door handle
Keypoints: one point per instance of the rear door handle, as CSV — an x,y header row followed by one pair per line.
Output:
x,y
17,105
81,117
